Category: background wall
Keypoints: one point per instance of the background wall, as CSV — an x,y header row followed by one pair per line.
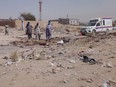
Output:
x,y
18,24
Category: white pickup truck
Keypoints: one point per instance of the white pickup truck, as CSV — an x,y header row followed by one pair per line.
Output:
x,y
96,25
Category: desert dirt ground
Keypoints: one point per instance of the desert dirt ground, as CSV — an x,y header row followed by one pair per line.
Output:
x,y
33,63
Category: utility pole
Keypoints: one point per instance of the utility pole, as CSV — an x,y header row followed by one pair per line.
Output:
x,y
40,10
67,16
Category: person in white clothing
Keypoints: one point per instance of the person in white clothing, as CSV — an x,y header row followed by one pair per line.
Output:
x,y
6,29
37,31
48,31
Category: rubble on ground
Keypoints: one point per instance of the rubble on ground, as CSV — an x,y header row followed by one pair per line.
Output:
x,y
68,60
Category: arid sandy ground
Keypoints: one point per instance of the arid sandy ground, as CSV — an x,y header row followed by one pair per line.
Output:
x,y
57,65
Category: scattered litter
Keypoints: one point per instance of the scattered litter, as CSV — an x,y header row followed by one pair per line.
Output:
x,y
90,50
71,61
67,30
52,64
60,53
112,82
63,81
43,43
112,57
60,42
87,52
104,64
87,59
70,67
108,83
105,84
56,67
5,57
8,63
66,39
89,80
108,65
48,56
55,64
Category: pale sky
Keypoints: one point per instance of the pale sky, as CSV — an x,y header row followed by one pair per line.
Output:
x,y
54,9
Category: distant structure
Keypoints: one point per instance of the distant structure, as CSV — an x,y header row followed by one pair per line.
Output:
x,y
69,21
40,9
73,21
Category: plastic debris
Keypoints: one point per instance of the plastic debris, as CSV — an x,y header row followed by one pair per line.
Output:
x,y
87,59
71,61
60,42
105,84
108,65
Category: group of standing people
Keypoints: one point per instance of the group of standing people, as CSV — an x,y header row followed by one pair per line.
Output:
x,y
37,31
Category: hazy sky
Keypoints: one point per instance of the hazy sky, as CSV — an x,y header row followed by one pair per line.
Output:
x,y
53,9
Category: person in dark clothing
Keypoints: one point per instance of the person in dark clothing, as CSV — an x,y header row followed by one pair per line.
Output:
x,y
29,30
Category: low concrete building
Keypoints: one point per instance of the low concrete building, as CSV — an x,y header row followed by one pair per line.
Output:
x,y
73,21
63,20
69,21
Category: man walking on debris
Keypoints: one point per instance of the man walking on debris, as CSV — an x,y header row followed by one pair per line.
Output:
x,y
6,29
48,31
29,30
37,31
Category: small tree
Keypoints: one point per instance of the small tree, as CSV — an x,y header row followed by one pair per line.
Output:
x,y
27,16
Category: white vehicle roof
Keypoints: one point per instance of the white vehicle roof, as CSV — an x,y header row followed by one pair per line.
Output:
x,y
101,18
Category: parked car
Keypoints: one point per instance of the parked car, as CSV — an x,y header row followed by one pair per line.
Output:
x,y
97,25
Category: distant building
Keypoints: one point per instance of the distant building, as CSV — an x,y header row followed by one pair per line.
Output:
x,y
63,20
74,21
69,21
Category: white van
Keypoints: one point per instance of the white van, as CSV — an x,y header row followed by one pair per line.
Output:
x,y
98,25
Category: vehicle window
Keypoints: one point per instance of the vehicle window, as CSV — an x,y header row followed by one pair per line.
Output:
x,y
98,24
92,22
103,22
